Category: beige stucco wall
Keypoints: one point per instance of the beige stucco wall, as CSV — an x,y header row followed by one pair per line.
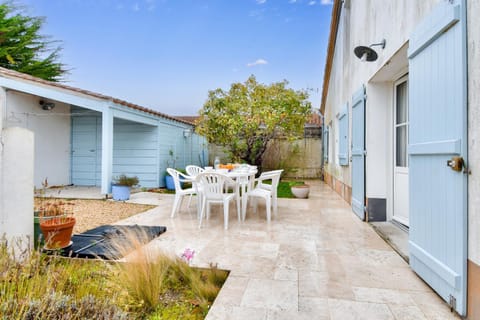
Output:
x,y
364,22
473,31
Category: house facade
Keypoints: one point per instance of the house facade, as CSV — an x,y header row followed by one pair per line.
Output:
x,y
87,139
400,103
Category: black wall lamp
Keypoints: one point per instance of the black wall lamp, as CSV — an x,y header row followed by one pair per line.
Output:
x,y
47,106
367,53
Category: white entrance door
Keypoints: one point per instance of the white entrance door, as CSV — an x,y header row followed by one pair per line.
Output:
x,y
400,172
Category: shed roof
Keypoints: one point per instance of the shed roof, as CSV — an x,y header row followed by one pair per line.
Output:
x,y
11,74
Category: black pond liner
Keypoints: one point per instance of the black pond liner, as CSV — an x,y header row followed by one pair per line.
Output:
x,y
110,242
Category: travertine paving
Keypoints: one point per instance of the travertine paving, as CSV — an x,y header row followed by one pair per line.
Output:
x,y
314,260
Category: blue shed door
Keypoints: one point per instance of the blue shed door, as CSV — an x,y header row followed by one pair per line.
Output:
x,y
84,151
437,132
358,153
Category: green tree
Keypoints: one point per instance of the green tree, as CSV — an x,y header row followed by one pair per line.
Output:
x,y
24,49
246,117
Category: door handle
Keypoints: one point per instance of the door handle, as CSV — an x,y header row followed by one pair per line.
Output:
x,y
456,163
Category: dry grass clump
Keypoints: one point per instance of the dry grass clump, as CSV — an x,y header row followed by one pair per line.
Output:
x,y
152,278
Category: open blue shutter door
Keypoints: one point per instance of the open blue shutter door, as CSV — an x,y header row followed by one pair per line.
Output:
x,y
325,145
358,153
343,136
438,120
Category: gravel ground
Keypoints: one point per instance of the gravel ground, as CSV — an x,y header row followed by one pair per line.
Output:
x,y
93,213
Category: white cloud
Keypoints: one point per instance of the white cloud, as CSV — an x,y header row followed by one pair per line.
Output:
x,y
261,1
292,1
326,2
136,7
312,3
257,62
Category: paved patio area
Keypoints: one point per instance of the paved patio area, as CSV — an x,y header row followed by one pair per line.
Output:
x,y
315,260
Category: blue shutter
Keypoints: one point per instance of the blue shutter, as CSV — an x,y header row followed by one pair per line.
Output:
x,y
358,153
343,136
437,132
325,144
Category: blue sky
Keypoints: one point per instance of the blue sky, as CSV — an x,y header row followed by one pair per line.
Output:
x,y
167,54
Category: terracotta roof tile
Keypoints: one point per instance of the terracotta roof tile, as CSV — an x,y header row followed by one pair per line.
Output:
x,y
314,120
191,119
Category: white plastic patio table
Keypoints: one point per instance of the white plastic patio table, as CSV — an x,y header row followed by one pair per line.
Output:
x,y
237,175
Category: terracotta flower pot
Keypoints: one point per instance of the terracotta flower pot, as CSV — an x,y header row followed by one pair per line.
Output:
x,y
301,191
57,232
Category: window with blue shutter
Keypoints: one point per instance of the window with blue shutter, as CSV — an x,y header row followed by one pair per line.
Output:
x,y
343,136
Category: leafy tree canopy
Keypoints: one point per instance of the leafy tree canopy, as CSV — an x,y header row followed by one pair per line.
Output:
x,y
24,49
246,117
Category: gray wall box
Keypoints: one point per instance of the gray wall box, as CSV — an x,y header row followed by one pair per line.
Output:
x,y
377,209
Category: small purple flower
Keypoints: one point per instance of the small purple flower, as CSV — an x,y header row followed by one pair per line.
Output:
x,y
187,255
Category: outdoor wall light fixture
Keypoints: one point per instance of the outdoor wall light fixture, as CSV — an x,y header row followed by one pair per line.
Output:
x,y
367,53
187,133
46,105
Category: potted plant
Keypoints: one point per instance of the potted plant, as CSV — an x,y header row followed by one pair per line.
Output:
x,y
170,185
121,187
300,190
56,223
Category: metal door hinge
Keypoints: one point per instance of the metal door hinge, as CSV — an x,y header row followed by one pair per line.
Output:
x,y
452,302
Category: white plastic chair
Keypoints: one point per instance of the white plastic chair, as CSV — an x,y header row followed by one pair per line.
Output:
x,y
213,191
265,191
179,177
194,171
267,186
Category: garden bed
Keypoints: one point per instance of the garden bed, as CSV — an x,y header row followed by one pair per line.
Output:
x,y
145,287
93,213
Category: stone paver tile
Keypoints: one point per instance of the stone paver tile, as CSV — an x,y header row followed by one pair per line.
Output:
x,y
433,306
300,254
258,249
321,284
400,278
232,291
221,312
407,312
354,310
380,257
285,273
314,305
271,294
293,315
260,268
393,297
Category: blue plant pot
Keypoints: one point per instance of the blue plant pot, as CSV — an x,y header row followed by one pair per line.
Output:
x,y
169,183
120,193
